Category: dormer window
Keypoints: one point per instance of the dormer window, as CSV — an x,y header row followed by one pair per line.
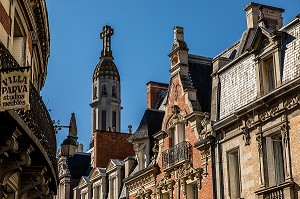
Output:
x,y
268,75
104,91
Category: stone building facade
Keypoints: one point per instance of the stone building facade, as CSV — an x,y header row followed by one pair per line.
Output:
x,y
255,109
27,143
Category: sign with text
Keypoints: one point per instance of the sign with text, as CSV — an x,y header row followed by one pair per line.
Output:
x,y
14,90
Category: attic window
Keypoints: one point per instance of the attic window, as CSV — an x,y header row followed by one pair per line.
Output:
x,y
232,55
268,76
264,43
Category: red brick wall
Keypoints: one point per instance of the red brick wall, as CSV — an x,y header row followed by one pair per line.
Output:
x,y
185,109
4,19
110,145
153,89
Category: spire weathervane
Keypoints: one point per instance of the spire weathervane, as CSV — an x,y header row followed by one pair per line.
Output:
x,y
105,35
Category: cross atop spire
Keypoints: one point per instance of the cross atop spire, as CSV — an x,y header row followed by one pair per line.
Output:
x,y
105,35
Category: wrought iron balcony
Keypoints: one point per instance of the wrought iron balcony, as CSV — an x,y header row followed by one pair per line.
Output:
x,y
173,156
37,118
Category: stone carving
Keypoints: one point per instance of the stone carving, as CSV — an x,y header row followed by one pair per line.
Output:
x,y
246,136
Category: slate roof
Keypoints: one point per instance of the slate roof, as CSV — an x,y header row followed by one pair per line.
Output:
x,y
107,69
150,124
79,165
200,69
118,162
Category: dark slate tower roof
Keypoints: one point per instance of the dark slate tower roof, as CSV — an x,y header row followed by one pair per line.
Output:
x,y
106,67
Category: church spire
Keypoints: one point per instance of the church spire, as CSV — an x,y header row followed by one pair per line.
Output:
x,y
73,127
105,35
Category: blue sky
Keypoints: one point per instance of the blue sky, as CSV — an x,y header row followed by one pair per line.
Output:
x,y
142,40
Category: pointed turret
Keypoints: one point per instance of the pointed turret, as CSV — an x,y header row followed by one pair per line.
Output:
x,y
179,53
73,127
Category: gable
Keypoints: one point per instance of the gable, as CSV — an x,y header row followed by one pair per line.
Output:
x,y
96,173
111,165
83,181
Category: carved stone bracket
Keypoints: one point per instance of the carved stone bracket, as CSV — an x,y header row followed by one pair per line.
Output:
x,y
9,143
246,136
13,163
203,145
31,178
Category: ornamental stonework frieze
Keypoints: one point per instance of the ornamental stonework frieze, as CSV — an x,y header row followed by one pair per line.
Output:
x,y
143,193
141,183
251,121
188,173
166,185
176,119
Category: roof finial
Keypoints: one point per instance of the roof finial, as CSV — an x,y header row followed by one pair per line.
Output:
x,y
105,35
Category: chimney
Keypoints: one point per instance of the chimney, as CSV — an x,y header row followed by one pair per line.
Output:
x,y
272,15
128,163
80,148
153,94
178,33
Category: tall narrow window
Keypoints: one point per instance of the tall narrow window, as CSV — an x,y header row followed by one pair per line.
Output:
x,y
192,191
19,42
94,119
104,92
177,134
275,160
234,174
114,93
103,120
114,119
95,95
114,188
268,75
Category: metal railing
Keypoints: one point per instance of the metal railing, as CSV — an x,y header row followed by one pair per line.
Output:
x,y
276,194
281,191
177,154
37,118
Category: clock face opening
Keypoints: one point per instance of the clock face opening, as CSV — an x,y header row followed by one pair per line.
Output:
x,y
174,60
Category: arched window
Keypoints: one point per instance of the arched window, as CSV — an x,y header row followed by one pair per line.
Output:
x,y
104,92
114,93
95,92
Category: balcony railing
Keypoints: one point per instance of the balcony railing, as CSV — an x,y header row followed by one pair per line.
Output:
x,y
281,191
176,155
37,118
